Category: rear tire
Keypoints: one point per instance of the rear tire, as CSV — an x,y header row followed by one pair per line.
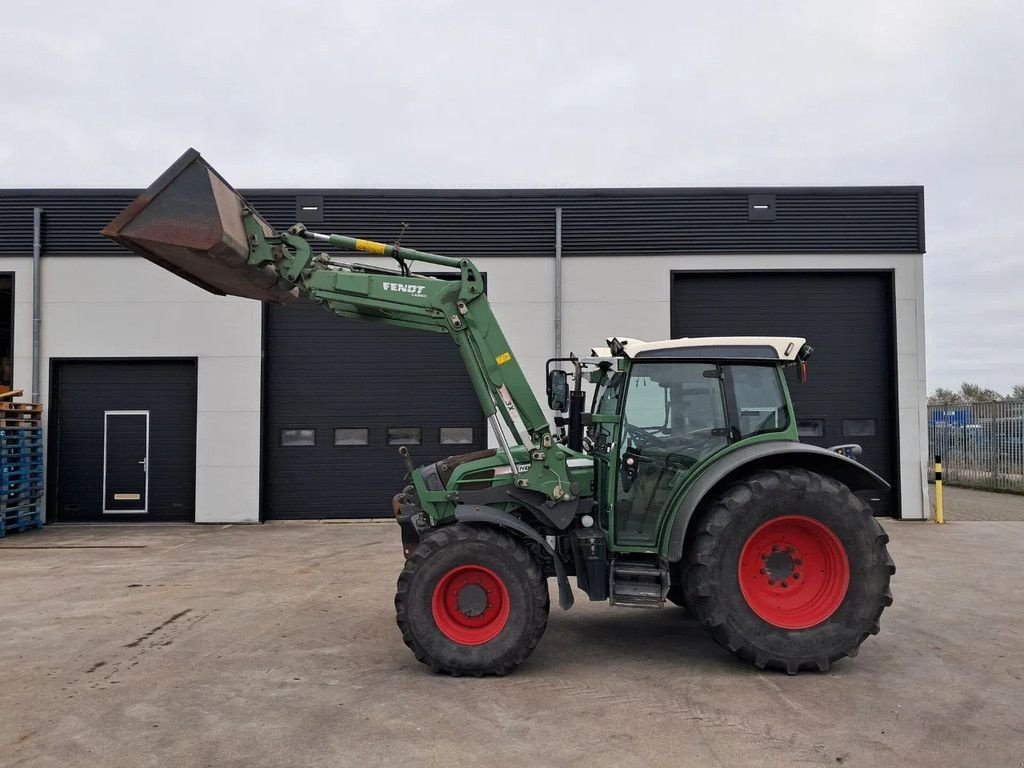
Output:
x,y
471,600
789,570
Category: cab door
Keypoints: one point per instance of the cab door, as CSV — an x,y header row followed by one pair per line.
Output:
x,y
605,427
674,419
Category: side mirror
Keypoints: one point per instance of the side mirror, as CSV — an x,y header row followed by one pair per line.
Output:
x,y
558,390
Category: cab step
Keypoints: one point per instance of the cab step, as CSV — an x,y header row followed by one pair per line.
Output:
x,y
638,584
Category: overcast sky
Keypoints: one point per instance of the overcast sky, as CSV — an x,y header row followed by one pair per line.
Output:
x,y
528,94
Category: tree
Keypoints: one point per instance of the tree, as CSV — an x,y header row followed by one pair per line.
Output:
x,y
970,392
975,393
1017,393
945,397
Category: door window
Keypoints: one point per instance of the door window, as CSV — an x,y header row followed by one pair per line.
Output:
x,y
404,435
456,435
674,419
351,436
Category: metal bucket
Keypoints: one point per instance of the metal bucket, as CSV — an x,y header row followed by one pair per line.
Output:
x,y
189,221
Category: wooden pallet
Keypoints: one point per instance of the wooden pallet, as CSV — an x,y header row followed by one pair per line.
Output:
x,y
20,447
21,464
21,520
21,490
22,468
30,440
20,457
15,464
20,500
11,485
8,423
29,408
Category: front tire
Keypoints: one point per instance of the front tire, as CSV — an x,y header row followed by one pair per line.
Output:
x,y
471,600
789,570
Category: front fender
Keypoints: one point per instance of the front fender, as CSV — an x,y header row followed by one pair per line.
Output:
x,y
779,453
478,513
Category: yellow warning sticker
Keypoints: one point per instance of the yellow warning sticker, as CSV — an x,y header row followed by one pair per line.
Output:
x,y
371,246
503,358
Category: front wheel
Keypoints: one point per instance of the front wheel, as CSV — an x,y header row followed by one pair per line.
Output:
x,y
471,600
789,570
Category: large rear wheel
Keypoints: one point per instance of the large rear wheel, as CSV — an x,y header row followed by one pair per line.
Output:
x,y
788,569
471,600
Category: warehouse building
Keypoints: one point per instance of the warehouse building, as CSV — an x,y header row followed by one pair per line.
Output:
x,y
167,403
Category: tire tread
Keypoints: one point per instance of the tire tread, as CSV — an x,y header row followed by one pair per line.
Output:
x,y
700,585
463,533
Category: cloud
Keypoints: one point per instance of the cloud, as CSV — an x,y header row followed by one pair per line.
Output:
x,y
557,94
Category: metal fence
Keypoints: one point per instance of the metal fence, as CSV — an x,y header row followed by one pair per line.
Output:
x,y
981,444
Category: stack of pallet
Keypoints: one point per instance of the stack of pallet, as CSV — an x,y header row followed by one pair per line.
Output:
x,y
21,466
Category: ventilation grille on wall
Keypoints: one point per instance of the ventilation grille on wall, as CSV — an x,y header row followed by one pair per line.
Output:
x,y
477,223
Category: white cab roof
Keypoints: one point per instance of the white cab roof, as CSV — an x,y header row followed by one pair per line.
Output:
x,y
784,347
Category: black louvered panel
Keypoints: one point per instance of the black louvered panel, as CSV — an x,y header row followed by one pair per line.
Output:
x,y
848,317
619,222
327,373
677,222
71,224
454,223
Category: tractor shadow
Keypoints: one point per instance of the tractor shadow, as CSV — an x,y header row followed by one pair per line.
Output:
x,y
642,636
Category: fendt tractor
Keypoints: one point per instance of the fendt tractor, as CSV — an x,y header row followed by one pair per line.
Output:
x,y
683,481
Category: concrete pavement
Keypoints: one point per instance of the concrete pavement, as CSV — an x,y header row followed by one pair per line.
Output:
x,y
276,645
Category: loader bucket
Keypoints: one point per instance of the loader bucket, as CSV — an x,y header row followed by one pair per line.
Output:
x,y
189,221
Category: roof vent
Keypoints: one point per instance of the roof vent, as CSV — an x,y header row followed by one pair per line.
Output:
x,y
309,209
760,207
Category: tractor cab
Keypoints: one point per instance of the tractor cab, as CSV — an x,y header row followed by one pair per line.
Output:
x,y
663,411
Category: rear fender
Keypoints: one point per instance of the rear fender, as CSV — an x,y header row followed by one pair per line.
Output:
x,y
478,513
782,453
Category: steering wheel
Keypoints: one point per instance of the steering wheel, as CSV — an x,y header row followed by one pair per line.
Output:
x,y
644,437
694,443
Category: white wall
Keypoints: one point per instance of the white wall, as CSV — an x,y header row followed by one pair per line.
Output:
x,y
96,306
126,307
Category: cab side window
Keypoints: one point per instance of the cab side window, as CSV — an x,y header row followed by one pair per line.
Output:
x,y
760,400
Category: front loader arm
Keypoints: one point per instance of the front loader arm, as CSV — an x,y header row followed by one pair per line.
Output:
x,y
192,222
404,299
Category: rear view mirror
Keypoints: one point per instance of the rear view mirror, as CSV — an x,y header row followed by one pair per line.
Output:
x,y
558,390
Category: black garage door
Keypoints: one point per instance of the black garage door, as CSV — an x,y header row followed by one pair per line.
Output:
x,y
846,316
122,441
341,396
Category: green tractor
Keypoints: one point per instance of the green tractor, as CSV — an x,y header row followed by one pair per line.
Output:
x,y
682,480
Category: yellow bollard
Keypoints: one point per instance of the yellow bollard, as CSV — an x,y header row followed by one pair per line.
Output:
x,y
938,489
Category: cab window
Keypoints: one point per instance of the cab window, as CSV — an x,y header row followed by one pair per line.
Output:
x,y
760,401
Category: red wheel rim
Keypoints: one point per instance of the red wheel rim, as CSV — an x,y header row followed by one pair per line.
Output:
x,y
794,572
471,605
